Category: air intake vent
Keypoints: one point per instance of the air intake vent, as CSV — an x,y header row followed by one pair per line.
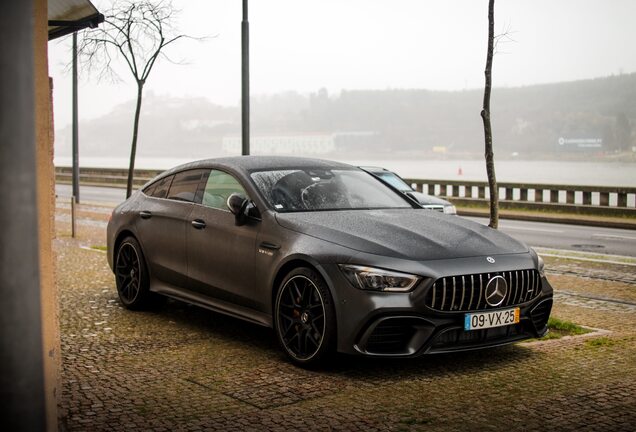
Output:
x,y
392,336
457,338
540,315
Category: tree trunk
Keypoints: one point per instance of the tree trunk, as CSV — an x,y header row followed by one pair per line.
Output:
x,y
485,115
133,148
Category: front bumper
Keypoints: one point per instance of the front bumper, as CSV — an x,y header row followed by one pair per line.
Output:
x,y
404,325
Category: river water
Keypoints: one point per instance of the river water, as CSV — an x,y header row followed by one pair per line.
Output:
x,y
554,172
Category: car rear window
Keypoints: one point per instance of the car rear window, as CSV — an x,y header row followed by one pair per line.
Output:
x,y
159,189
185,184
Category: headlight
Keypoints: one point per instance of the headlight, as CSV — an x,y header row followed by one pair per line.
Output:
x,y
374,279
450,209
541,266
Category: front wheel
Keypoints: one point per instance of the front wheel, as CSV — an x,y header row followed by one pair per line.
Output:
x,y
131,275
304,317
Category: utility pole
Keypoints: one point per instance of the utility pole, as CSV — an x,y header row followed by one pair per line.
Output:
x,y
245,87
76,191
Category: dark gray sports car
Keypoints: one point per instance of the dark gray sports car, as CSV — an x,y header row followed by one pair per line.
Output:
x,y
328,256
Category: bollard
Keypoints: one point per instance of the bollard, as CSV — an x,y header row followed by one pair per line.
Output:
x,y
73,216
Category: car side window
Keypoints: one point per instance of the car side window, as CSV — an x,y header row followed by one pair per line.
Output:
x,y
218,188
159,189
185,184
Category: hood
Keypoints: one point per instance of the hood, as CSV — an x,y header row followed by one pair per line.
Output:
x,y
413,234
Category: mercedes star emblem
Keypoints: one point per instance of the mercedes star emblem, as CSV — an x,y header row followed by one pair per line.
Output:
x,y
496,291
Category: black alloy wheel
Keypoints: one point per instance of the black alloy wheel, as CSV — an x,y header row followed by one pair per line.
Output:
x,y
131,274
305,321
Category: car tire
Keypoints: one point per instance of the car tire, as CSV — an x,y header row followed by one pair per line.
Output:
x,y
304,318
131,275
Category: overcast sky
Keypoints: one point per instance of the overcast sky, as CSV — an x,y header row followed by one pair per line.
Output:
x,y
304,45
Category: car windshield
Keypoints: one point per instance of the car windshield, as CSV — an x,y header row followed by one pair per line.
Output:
x,y
393,180
295,190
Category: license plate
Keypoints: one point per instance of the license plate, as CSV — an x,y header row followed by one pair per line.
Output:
x,y
484,320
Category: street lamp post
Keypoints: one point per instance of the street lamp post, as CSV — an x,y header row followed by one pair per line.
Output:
x,y
76,191
245,85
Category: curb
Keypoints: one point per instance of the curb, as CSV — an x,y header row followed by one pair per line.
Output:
x,y
594,332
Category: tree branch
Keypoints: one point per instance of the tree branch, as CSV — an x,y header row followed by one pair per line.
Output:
x,y
139,32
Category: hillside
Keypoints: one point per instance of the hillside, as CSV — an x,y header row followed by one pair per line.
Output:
x,y
526,120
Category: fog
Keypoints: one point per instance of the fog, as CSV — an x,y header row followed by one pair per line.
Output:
x,y
305,45
371,60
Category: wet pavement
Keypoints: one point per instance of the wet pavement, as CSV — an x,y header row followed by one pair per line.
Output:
x,y
179,367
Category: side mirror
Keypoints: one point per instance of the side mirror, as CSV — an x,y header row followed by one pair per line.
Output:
x,y
235,203
242,208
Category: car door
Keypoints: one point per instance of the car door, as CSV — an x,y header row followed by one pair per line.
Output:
x,y
163,218
220,253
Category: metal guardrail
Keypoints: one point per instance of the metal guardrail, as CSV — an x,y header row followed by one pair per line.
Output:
x,y
591,200
112,177
601,200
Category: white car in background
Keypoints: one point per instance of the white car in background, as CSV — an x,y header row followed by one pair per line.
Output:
x,y
427,201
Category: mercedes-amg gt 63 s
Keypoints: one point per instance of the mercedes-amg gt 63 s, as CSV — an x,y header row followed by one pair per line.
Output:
x,y
329,256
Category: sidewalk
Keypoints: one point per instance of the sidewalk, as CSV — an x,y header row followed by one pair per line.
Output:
x,y
183,368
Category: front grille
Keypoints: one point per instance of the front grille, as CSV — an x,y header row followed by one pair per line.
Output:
x,y
540,315
467,292
457,338
391,336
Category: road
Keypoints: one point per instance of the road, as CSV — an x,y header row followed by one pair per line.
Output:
x,y
92,194
600,240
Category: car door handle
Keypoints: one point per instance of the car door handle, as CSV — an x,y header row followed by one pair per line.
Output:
x,y
145,214
198,224
268,245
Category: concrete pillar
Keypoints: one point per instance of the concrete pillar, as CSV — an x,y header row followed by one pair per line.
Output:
x,y
21,365
45,178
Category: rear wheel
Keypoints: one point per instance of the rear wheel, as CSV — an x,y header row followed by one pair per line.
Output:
x,y
131,275
304,317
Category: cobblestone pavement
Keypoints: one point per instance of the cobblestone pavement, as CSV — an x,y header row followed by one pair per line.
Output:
x,y
179,367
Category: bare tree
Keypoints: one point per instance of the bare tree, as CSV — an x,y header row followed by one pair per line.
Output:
x,y
485,115
138,32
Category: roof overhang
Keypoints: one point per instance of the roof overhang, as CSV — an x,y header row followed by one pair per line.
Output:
x,y
68,16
